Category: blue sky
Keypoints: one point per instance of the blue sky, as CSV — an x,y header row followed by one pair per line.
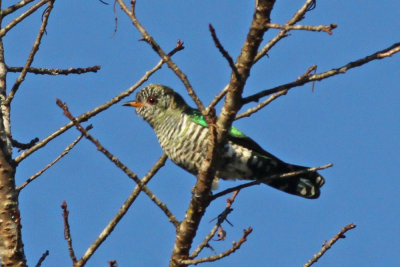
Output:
x,y
351,120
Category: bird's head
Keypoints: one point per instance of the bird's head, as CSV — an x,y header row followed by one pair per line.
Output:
x,y
155,101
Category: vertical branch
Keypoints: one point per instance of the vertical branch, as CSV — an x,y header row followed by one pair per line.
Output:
x,y
218,130
11,246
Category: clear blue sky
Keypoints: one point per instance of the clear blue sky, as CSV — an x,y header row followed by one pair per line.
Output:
x,y
350,120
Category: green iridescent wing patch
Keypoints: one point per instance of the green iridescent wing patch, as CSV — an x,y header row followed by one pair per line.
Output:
x,y
196,116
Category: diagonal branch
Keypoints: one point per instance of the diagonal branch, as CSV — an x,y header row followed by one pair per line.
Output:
x,y
224,254
65,152
96,110
32,54
387,52
119,164
23,16
121,212
14,7
298,16
327,246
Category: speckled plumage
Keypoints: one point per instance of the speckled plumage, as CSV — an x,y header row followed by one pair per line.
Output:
x,y
182,133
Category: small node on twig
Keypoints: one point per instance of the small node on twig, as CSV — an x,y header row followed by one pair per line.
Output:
x,y
112,263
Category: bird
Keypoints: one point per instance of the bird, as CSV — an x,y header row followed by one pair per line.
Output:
x,y
183,135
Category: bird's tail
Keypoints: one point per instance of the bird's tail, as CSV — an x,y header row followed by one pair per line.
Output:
x,y
305,184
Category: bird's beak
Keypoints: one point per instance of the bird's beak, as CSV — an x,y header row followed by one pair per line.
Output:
x,y
133,104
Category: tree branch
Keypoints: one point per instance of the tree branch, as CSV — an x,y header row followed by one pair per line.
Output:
x,y
387,52
121,212
23,16
55,71
327,246
67,232
65,152
14,7
228,252
321,28
32,54
42,258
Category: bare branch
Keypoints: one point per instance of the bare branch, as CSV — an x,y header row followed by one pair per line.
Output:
x,y
65,152
272,177
387,52
55,71
14,7
32,54
119,164
22,146
298,16
327,246
150,40
221,218
122,211
228,252
93,112
253,110
218,98
222,50
67,232
320,28
42,258
21,17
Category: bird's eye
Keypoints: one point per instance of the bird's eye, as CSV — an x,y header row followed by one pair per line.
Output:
x,y
151,100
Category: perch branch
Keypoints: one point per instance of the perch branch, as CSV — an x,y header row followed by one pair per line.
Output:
x,y
327,245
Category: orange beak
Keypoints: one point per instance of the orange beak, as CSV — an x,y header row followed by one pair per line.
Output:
x,y
133,104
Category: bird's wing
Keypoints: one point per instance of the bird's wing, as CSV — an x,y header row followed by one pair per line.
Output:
x,y
235,135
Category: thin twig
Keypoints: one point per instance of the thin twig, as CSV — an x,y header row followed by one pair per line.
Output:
x,y
42,258
122,211
150,40
119,164
298,16
67,231
224,254
272,177
55,71
320,28
112,263
253,110
222,50
14,7
221,218
218,98
93,112
21,17
23,146
387,52
32,54
65,152
327,245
